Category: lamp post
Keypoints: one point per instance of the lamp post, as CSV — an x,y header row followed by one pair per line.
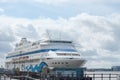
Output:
x,y
14,65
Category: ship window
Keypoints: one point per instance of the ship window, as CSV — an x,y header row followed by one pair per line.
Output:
x,y
59,41
31,60
63,54
76,54
66,62
33,44
58,62
20,51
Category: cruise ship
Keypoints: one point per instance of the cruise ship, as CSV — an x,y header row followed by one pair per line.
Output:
x,y
34,56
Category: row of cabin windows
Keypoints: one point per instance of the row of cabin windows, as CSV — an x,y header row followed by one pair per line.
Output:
x,y
26,46
24,61
59,62
64,54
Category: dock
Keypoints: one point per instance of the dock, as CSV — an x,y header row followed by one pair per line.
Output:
x,y
61,74
55,74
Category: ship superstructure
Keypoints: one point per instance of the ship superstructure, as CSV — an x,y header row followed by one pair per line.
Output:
x,y
33,56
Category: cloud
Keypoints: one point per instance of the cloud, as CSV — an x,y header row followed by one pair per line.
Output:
x,y
26,31
98,36
99,64
38,1
51,2
1,10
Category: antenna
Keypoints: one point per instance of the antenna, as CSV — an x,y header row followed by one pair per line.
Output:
x,y
48,34
60,35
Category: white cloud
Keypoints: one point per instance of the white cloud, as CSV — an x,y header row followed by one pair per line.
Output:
x,y
95,34
49,2
99,64
1,10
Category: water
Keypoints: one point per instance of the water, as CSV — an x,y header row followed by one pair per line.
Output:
x,y
103,75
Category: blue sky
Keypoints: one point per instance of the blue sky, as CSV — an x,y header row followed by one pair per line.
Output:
x,y
93,24
60,8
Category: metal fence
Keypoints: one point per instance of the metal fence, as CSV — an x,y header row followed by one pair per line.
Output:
x,y
45,77
63,77
103,76
4,77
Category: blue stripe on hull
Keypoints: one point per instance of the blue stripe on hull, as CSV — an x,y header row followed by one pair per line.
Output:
x,y
40,51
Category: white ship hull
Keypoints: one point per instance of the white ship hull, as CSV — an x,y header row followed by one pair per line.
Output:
x,y
53,54
65,63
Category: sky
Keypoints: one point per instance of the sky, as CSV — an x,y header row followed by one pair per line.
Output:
x,y
93,24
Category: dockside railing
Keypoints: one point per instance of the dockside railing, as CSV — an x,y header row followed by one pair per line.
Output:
x,y
103,76
87,76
